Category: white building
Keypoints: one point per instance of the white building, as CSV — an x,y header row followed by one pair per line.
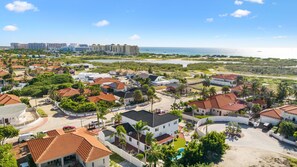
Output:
x,y
13,114
89,77
224,80
275,115
163,126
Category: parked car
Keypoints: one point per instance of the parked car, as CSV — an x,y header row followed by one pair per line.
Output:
x,y
25,137
25,164
267,126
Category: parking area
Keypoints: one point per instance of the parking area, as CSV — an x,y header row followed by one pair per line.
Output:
x,y
255,138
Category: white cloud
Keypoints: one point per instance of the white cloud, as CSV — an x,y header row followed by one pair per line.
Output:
x,y
134,37
20,6
10,28
209,20
238,2
280,37
256,1
241,13
223,15
102,23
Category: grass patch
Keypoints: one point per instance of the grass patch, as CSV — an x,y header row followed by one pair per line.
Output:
x,y
293,161
179,143
201,116
116,158
41,112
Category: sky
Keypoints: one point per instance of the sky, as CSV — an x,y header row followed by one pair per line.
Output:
x,y
157,23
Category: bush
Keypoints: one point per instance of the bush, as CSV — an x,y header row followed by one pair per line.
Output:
x,y
140,156
41,113
25,100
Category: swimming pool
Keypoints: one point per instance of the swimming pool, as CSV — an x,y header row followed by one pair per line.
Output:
x,y
180,153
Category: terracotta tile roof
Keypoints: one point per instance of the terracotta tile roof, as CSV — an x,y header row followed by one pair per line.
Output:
x,y
222,101
68,92
226,76
87,147
18,67
100,81
259,101
102,96
3,73
272,113
164,138
291,109
121,85
55,132
6,99
118,85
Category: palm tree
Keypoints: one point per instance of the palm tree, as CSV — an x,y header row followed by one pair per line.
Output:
x,y
212,91
117,118
245,91
263,91
255,87
225,89
139,128
151,96
101,112
154,154
149,139
204,93
120,133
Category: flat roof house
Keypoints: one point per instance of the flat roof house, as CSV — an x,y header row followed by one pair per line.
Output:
x,y
224,80
13,114
69,149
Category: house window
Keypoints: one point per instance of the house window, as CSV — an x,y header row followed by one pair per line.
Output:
x,y
103,161
164,127
157,129
138,143
130,139
93,164
169,124
175,122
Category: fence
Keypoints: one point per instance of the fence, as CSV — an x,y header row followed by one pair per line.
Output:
x,y
281,138
241,120
130,158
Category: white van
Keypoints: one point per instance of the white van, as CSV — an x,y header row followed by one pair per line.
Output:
x,y
25,137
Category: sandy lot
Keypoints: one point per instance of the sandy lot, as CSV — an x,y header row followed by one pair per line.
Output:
x,y
251,157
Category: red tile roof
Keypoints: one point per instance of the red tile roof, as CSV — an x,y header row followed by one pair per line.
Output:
x,y
86,146
272,113
6,99
221,101
3,73
99,81
226,76
102,96
291,109
18,67
69,92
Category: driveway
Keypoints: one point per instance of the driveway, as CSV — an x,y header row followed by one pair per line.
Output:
x,y
255,138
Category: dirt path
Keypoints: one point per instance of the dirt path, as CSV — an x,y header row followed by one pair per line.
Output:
x,y
251,157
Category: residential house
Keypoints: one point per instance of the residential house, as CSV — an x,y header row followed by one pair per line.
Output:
x,y
13,114
224,80
75,148
110,84
164,127
275,115
128,96
220,105
69,92
90,77
6,99
103,97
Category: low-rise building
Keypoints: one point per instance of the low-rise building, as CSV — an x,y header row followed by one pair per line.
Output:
x,y
224,80
275,115
7,99
60,148
220,105
13,114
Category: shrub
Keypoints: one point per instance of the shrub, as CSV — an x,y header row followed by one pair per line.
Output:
x,y
25,100
140,156
41,113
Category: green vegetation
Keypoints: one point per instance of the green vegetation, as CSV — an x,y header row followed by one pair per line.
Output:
x,y
116,158
202,116
7,158
179,143
41,113
292,161
287,128
7,132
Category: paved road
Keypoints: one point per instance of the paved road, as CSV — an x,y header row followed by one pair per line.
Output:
x,y
255,138
58,119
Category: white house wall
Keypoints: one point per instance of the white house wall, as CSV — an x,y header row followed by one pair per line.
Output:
x,y
273,121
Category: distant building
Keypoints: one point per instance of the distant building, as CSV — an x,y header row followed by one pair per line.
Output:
x,y
224,80
116,49
275,115
55,46
37,46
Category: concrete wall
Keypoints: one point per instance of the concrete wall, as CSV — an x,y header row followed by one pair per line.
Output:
x,y
273,121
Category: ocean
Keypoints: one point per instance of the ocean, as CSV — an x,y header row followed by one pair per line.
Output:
x,y
283,53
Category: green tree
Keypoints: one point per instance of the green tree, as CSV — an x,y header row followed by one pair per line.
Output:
x,y
192,154
287,128
7,158
151,96
282,91
256,109
117,118
204,93
255,87
213,146
120,133
177,113
7,132
154,154
206,82
212,91
140,127
138,97
150,70
25,100
225,89
149,139
245,91
168,155
100,113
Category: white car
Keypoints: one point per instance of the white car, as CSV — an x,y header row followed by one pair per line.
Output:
x,y
25,137
25,164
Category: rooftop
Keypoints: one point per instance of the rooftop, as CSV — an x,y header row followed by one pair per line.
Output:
x,y
12,109
151,119
272,113
6,99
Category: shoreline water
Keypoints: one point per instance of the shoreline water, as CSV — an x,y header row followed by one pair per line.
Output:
x,y
282,53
